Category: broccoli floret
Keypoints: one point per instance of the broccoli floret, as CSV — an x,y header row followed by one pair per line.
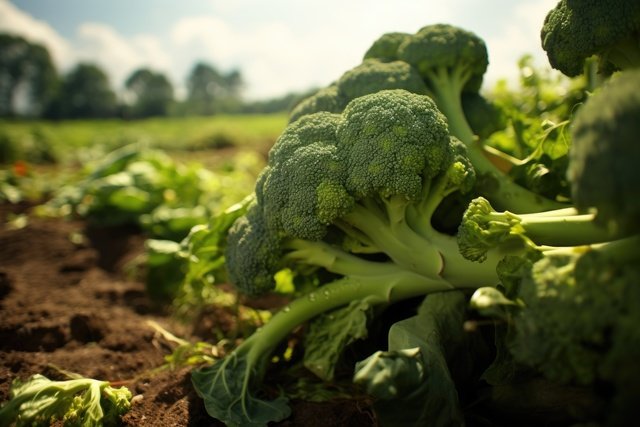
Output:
x,y
604,156
326,99
576,30
375,184
373,76
483,228
386,47
369,77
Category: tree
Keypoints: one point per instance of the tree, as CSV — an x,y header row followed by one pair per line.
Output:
x,y
27,77
151,92
85,92
211,92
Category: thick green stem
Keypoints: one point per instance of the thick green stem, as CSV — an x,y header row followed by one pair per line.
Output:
x,y
403,245
502,190
334,259
622,251
571,230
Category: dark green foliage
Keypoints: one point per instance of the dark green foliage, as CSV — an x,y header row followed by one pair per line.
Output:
x,y
25,65
484,117
152,94
84,93
605,154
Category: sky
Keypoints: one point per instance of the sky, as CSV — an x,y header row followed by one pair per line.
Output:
x,y
279,46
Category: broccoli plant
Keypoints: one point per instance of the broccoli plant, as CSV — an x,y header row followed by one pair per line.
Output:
x,y
351,195
351,202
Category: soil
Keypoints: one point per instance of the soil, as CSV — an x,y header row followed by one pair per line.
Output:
x,y
68,304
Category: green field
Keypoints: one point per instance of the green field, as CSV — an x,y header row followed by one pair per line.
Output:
x,y
65,140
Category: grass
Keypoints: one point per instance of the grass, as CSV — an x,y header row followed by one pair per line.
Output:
x,y
253,132
54,153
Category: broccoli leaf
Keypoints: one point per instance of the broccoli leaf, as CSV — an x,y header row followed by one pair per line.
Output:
x,y
330,333
227,397
437,331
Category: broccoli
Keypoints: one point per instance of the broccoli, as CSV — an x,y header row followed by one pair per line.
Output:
x,y
452,62
578,322
576,281
576,30
483,228
350,196
385,48
78,401
604,155
369,77
604,139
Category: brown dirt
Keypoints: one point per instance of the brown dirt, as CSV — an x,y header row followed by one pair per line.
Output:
x,y
70,306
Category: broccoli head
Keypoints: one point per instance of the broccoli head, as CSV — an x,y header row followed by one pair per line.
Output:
x,y
604,156
386,47
575,30
368,77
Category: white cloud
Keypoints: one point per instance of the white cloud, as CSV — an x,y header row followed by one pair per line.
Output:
x,y
119,56
15,21
285,45
520,36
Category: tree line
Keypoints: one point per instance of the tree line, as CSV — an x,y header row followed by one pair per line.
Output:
x,y
30,86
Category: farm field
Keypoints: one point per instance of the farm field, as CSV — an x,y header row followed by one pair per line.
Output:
x,y
403,248
69,300
71,306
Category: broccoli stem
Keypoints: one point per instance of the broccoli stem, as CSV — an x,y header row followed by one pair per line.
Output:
x,y
377,289
563,227
447,88
334,259
619,251
398,240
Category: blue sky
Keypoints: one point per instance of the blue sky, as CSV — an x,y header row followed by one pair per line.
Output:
x,y
279,45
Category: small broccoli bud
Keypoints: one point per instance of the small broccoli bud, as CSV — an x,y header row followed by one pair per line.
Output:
x,y
253,253
482,228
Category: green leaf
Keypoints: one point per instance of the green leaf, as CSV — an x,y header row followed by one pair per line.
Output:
x,y
225,389
330,333
437,331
